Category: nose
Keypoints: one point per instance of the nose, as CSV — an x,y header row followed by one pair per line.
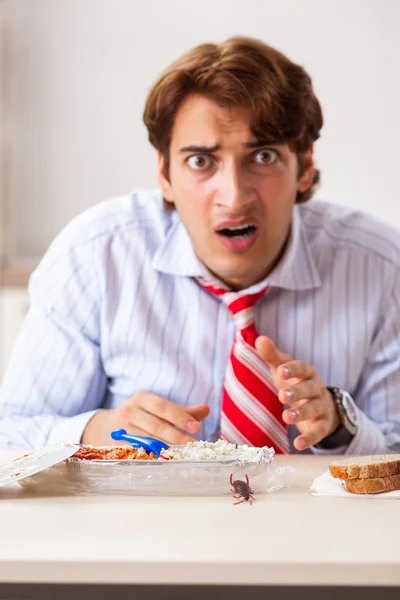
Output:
x,y
234,190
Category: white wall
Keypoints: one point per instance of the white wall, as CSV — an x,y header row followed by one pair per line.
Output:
x,y
14,304
80,70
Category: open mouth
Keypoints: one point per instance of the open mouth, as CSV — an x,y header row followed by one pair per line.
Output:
x,y
240,232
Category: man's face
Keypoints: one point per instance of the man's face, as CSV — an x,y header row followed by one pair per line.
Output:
x,y
234,193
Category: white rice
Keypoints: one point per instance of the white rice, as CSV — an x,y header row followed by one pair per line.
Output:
x,y
219,450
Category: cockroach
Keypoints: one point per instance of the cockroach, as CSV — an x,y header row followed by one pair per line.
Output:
x,y
243,489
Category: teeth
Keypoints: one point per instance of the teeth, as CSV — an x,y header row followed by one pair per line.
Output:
x,y
238,227
238,232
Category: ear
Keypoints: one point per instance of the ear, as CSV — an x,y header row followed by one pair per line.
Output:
x,y
165,185
307,175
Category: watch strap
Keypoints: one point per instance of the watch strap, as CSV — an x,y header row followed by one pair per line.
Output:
x,y
342,436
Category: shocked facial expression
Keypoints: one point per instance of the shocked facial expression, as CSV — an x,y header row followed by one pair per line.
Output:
x,y
233,192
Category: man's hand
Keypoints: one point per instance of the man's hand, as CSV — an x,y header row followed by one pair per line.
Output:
x,y
312,408
147,414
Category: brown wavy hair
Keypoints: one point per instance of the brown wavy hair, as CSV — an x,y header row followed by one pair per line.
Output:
x,y
240,72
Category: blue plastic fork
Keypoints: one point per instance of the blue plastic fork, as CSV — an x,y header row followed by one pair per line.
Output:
x,y
140,441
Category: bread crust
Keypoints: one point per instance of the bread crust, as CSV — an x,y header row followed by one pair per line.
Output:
x,y
376,485
366,467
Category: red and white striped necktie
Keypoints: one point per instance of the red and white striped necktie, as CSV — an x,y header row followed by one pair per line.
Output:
x,y
251,411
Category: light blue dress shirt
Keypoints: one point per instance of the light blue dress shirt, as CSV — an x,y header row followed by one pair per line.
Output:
x,y
115,310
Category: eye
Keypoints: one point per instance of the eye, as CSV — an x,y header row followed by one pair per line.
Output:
x,y
199,161
266,157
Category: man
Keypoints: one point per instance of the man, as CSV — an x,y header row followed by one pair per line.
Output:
x,y
223,303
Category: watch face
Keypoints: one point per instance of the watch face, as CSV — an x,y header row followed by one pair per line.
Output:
x,y
349,407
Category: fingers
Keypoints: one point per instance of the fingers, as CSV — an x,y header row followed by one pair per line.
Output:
x,y
199,411
267,350
303,411
315,433
296,368
156,427
146,414
311,407
299,391
315,418
175,414
160,418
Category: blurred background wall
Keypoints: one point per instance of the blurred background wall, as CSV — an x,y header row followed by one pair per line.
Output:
x,y
75,74
78,72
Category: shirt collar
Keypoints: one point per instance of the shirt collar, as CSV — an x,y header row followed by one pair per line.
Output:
x,y
295,271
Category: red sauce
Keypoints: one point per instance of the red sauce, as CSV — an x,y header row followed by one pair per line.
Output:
x,y
116,453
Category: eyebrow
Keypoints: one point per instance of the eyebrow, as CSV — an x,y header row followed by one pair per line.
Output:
x,y
201,149
209,149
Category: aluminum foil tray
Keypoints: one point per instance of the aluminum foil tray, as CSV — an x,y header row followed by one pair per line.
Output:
x,y
154,477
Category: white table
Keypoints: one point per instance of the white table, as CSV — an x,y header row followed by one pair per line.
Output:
x,y
286,538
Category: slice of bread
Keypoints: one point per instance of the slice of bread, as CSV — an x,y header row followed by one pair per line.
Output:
x,y
366,467
375,485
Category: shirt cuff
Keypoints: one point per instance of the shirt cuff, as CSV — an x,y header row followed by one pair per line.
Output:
x,y
369,439
70,429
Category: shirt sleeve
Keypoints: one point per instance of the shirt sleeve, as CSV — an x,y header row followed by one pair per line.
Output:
x,y
378,390
55,381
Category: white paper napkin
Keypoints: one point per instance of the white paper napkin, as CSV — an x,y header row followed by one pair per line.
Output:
x,y
326,485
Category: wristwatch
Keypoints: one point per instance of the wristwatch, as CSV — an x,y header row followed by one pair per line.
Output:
x,y
348,427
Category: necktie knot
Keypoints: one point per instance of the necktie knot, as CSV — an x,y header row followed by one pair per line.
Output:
x,y
242,308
